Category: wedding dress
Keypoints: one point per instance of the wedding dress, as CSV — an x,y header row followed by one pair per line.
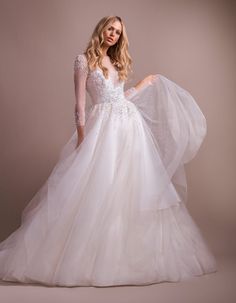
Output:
x,y
113,210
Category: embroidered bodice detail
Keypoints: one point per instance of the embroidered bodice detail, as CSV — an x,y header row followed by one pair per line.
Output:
x,y
100,89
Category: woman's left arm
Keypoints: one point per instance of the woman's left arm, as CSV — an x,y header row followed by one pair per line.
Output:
x,y
132,91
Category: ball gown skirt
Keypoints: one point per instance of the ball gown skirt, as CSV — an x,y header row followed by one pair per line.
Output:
x,y
113,211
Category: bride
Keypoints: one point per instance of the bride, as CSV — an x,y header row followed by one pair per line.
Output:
x,y
113,210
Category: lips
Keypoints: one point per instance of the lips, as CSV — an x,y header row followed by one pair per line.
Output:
x,y
110,39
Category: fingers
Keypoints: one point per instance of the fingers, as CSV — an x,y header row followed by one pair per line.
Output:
x,y
153,78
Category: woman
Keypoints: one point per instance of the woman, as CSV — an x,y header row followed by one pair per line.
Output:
x,y
113,211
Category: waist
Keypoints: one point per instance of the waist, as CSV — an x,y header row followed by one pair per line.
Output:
x,y
122,105
111,101
108,98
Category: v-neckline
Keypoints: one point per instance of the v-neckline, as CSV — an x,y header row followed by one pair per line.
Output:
x,y
100,70
113,67
110,74
110,78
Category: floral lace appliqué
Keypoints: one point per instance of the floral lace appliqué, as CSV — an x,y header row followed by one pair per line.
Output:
x,y
81,64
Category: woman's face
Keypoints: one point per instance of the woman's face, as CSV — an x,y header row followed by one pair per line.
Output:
x,y
112,33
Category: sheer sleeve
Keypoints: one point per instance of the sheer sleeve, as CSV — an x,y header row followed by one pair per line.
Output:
x,y
134,91
130,92
80,77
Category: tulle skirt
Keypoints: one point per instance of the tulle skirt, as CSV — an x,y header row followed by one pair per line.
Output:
x,y
113,211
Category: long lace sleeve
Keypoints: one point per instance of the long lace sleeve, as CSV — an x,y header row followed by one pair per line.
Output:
x,y
80,76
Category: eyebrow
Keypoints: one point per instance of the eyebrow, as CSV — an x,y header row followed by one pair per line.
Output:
x,y
115,28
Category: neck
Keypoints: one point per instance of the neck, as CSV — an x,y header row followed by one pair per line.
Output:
x,y
104,51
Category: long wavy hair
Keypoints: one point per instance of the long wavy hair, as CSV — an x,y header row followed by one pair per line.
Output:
x,y
118,52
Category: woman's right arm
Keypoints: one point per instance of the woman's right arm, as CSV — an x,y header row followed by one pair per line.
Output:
x,y
80,77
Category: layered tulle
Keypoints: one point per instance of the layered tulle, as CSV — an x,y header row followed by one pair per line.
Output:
x,y
112,211
177,124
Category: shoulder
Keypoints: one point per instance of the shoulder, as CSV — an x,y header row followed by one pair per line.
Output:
x,y
80,62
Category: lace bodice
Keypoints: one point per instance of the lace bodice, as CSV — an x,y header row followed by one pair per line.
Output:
x,y
99,88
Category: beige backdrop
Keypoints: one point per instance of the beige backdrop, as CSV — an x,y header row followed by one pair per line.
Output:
x,y
189,42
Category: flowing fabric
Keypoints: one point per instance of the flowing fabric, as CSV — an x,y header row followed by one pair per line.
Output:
x,y
113,211
177,124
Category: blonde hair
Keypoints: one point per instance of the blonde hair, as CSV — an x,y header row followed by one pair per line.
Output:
x,y
118,52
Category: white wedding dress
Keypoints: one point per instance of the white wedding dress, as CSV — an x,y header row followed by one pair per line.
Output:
x,y
113,210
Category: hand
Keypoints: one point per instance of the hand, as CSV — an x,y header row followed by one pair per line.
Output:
x,y
80,132
146,81
149,79
80,139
